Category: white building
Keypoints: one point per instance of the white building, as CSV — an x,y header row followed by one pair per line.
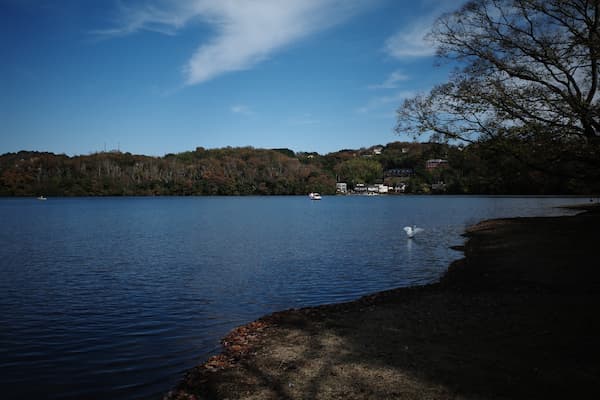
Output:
x,y
383,188
341,187
360,188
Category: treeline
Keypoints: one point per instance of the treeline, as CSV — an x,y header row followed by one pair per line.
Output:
x,y
228,171
477,169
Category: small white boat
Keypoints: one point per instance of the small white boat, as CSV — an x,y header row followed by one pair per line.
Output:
x,y
42,198
314,196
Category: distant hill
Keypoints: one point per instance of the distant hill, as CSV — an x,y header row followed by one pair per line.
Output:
x,y
250,171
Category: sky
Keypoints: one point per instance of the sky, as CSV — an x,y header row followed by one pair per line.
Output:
x,y
156,76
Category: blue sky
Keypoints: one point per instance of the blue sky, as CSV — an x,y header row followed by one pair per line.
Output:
x,y
155,76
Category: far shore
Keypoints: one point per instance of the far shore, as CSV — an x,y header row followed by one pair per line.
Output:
x,y
516,318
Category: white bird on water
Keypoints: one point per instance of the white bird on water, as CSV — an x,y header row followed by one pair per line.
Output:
x,y
411,231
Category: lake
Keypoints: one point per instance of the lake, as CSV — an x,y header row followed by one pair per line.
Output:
x,y
114,298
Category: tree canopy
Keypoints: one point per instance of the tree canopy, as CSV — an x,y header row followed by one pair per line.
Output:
x,y
359,170
527,79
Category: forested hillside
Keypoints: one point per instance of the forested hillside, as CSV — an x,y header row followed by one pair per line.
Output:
x,y
478,169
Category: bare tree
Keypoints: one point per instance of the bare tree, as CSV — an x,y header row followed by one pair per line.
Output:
x,y
529,71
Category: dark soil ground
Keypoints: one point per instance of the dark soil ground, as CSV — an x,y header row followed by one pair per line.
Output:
x,y
517,318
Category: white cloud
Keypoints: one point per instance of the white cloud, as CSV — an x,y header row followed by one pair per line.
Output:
x,y
411,40
242,109
156,16
392,81
247,31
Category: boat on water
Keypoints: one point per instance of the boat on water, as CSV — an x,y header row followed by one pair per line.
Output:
x,y
42,198
314,196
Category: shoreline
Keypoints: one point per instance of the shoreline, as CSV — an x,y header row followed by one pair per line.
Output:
x,y
514,318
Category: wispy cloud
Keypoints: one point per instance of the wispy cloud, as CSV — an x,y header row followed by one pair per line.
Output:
x,y
383,102
391,82
247,32
155,16
412,40
242,110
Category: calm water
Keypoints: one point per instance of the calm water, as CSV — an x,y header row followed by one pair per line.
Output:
x,y
116,297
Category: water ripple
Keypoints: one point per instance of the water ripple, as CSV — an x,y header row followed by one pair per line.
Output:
x,y
114,298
